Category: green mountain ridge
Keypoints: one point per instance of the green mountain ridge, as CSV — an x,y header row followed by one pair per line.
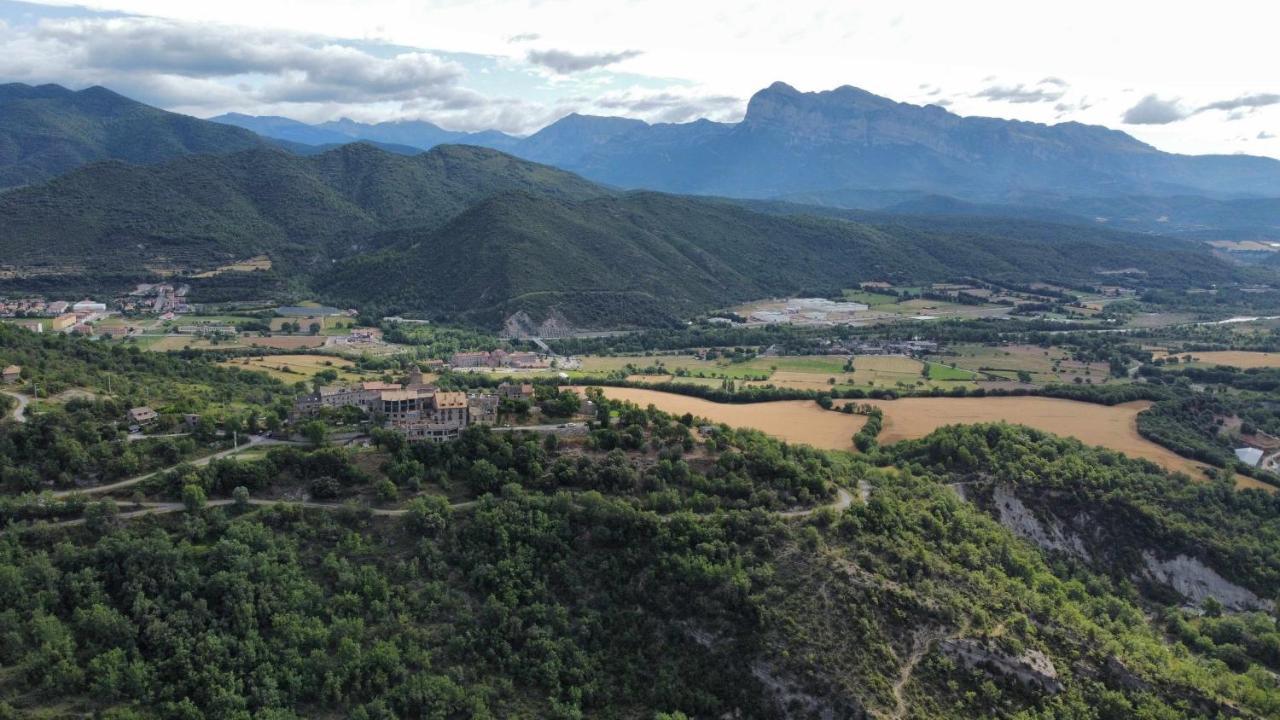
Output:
x,y
48,130
519,251
475,234
198,212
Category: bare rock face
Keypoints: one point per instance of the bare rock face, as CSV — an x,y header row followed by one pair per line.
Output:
x,y
1032,668
1197,582
1017,517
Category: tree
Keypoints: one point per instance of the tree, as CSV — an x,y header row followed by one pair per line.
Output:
x,y
100,517
387,491
316,433
427,515
193,498
240,495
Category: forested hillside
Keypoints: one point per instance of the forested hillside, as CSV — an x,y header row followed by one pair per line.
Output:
x,y
48,130
674,256
196,213
468,233
639,571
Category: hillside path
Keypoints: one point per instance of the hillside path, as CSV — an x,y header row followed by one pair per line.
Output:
x,y
254,441
19,412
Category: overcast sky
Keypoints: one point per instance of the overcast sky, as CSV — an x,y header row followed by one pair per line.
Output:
x,y
1185,77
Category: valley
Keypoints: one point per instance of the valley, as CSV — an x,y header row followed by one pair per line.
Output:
x,y
841,406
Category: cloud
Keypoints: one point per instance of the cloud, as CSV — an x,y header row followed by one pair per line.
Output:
x,y
1051,80
1151,110
670,106
1244,102
524,37
269,66
564,62
1264,135
1047,90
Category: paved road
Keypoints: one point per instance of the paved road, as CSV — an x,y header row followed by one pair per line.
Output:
x,y
254,441
19,412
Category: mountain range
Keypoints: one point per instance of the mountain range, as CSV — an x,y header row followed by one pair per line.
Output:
x,y
48,130
853,149
413,134
472,234
845,139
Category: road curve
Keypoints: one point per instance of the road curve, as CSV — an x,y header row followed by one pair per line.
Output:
x,y
19,412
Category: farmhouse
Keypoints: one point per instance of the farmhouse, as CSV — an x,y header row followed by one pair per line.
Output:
x,y
11,374
513,391
482,408
142,415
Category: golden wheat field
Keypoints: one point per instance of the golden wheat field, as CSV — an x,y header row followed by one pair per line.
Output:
x,y
802,421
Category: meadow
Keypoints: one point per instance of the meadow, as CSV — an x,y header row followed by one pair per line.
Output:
x,y
292,368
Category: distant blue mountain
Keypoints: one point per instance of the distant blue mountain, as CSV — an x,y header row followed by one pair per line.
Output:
x,y
845,141
395,135
283,128
850,140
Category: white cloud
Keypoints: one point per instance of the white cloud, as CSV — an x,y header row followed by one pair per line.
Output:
x,y
1151,110
564,62
733,49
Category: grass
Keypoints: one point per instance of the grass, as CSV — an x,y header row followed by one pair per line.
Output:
x,y
872,299
1045,365
945,373
802,364
292,368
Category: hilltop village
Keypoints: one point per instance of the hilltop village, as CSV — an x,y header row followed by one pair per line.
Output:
x,y
418,410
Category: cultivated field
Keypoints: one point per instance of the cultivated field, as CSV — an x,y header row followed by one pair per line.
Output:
x,y
1113,427
261,262
799,421
292,368
1046,365
284,342
325,322
799,372
181,342
1236,358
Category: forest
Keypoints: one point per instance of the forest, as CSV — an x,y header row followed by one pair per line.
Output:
x,y
643,571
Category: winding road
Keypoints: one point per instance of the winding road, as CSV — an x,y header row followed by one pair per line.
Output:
x,y
19,412
843,500
254,441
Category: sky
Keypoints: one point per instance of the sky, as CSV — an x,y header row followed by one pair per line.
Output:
x,y
1186,77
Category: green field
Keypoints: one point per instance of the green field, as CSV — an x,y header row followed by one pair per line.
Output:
x,y
867,297
944,373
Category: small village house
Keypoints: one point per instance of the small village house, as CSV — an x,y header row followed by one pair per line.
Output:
x,y
11,374
142,415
